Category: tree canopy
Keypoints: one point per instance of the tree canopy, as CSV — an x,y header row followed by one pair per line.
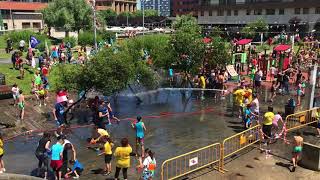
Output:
x,y
70,15
254,28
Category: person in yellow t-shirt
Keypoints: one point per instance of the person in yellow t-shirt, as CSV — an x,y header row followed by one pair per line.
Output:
x,y
2,169
267,123
107,154
122,155
101,132
239,97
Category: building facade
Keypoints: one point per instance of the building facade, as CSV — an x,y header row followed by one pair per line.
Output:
x,y
162,6
274,12
25,14
183,7
118,6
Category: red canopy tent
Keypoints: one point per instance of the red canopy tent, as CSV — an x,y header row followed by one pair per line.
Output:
x,y
243,41
206,40
282,47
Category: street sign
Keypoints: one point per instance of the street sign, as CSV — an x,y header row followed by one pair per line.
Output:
x,y
193,161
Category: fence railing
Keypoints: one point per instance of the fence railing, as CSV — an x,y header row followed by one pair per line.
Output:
x,y
301,119
238,142
190,162
217,153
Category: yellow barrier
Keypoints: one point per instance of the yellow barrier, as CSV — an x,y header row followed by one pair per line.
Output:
x,y
301,119
190,162
238,142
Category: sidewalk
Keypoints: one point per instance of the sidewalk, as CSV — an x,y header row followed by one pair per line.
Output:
x,y
251,164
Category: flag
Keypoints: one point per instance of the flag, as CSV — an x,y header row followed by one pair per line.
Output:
x,y
47,48
34,42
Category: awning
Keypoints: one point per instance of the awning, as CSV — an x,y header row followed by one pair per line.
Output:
x,y
206,40
282,47
243,41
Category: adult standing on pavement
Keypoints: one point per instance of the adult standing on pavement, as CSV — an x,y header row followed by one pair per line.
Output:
x,y
42,153
122,155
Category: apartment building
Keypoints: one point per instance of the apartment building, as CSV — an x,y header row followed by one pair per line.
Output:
x,y
274,12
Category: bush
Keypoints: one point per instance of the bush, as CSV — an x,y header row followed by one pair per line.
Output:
x,y
107,35
72,40
17,36
87,38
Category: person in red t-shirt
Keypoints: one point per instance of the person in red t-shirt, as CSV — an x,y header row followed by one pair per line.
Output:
x,y
44,71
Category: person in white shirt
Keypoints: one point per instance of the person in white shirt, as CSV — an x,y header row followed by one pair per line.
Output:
x,y
255,104
15,94
22,43
149,165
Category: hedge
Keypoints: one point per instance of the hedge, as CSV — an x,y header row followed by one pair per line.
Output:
x,y
17,36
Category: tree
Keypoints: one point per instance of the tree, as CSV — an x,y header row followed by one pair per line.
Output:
x,y
217,52
109,16
70,15
147,13
254,28
188,49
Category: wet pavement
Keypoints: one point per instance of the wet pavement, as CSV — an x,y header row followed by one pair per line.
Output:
x,y
177,122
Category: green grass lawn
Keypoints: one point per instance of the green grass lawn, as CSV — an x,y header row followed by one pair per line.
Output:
x,y
13,74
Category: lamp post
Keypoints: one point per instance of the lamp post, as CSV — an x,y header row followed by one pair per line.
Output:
x,y
143,3
95,24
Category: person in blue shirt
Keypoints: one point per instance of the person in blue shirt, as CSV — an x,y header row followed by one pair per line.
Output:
x,y
248,116
58,113
56,157
76,169
140,130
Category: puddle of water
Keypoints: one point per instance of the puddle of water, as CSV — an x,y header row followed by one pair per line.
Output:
x,y
195,124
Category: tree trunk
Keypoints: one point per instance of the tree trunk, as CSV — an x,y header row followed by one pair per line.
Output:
x,y
73,104
66,33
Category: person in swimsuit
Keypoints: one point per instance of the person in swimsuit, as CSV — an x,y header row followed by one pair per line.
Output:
x,y
21,104
297,150
140,130
111,114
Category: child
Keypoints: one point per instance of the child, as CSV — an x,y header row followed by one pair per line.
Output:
x,y
107,154
149,164
299,93
2,169
75,171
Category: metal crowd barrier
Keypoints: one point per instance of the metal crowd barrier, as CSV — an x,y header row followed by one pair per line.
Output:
x,y
238,142
190,162
301,119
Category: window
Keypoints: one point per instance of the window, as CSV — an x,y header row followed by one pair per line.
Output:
x,y
36,25
201,13
5,25
317,11
305,10
26,25
297,11
248,12
220,12
270,12
210,13
235,12
257,12
281,11
228,12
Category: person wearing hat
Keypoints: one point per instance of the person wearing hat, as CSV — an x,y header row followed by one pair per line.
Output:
x,y
140,130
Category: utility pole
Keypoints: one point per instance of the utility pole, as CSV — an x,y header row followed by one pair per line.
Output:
x,y
143,3
95,25
313,82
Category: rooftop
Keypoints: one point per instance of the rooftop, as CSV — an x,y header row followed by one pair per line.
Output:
x,y
21,6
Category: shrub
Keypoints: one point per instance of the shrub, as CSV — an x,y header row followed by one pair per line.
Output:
x,y
17,36
107,35
87,38
72,40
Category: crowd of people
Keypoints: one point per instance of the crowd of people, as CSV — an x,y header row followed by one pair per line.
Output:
x,y
53,149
